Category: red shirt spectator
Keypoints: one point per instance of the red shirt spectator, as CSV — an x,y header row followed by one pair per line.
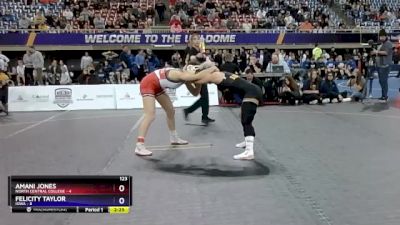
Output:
x,y
175,19
176,28
172,2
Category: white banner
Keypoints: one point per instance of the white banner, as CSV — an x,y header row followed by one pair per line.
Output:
x,y
81,97
128,96
51,98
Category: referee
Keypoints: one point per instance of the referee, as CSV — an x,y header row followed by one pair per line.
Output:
x,y
194,48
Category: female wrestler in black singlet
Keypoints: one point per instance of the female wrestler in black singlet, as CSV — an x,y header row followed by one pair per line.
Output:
x,y
252,98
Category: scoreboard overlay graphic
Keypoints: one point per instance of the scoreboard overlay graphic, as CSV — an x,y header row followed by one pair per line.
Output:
x,y
70,194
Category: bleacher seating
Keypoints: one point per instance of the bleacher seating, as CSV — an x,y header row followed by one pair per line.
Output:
x,y
12,11
371,13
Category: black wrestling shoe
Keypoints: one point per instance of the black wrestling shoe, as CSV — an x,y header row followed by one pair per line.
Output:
x,y
207,120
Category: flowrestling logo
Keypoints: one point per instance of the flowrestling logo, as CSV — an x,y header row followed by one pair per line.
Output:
x,y
85,98
63,97
40,98
127,96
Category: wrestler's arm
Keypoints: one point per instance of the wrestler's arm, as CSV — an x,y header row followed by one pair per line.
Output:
x,y
194,89
188,76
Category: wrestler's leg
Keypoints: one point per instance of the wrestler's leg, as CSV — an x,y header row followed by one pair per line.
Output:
x,y
166,104
149,106
248,111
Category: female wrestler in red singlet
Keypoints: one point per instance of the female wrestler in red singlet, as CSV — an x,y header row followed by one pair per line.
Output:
x,y
152,88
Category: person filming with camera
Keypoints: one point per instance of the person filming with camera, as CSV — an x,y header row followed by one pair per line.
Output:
x,y
384,56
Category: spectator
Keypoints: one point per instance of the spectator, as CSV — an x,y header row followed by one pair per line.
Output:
x,y
384,56
306,26
357,83
176,60
27,59
160,8
4,60
276,62
229,66
39,19
53,74
317,52
329,90
127,63
253,79
86,60
311,88
38,64
396,56
24,22
140,62
176,28
20,73
68,14
254,65
99,22
65,78
290,91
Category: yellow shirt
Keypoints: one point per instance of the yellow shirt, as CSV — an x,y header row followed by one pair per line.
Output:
x,y
317,53
3,77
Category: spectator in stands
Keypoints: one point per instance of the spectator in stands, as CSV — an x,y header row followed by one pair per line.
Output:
x,y
38,65
65,78
396,56
229,66
160,8
329,90
253,79
176,60
317,52
357,83
140,62
39,19
290,91
27,59
8,17
254,65
127,63
311,88
68,14
86,60
176,28
53,74
99,22
384,56
20,70
4,60
247,26
276,62
24,22
306,26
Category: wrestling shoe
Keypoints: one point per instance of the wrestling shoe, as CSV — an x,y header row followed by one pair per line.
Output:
x,y
246,155
178,141
241,145
141,150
